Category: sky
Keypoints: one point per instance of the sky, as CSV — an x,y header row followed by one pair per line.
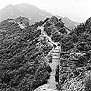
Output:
x,y
76,10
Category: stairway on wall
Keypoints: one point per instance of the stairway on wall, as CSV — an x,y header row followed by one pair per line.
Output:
x,y
55,53
55,61
51,85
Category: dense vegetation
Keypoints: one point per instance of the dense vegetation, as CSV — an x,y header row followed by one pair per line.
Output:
x,y
22,51
75,60
54,28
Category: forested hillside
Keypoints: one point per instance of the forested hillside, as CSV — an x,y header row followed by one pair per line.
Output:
x,y
75,62
26,60
22,52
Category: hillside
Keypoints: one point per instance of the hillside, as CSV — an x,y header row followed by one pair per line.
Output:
x,y
75,59
22,52
44,55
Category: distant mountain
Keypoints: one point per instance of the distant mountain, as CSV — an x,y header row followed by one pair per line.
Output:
x,y
32,13
26,10
69,23
9,12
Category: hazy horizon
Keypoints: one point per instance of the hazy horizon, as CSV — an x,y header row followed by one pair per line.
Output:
x,y
76,10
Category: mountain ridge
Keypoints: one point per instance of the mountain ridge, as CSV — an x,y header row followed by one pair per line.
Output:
x,y
31,12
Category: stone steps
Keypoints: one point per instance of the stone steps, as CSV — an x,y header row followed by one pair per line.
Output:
x,y
55,61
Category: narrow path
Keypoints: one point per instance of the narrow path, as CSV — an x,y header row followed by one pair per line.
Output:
x,y
55,53
55,61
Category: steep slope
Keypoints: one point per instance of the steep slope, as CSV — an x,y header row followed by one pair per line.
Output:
x,y
22,51
75,61
24,65
75,56
30,55
53,29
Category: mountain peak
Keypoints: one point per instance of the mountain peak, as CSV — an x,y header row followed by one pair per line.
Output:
x,y
26,5
31,12
9,6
